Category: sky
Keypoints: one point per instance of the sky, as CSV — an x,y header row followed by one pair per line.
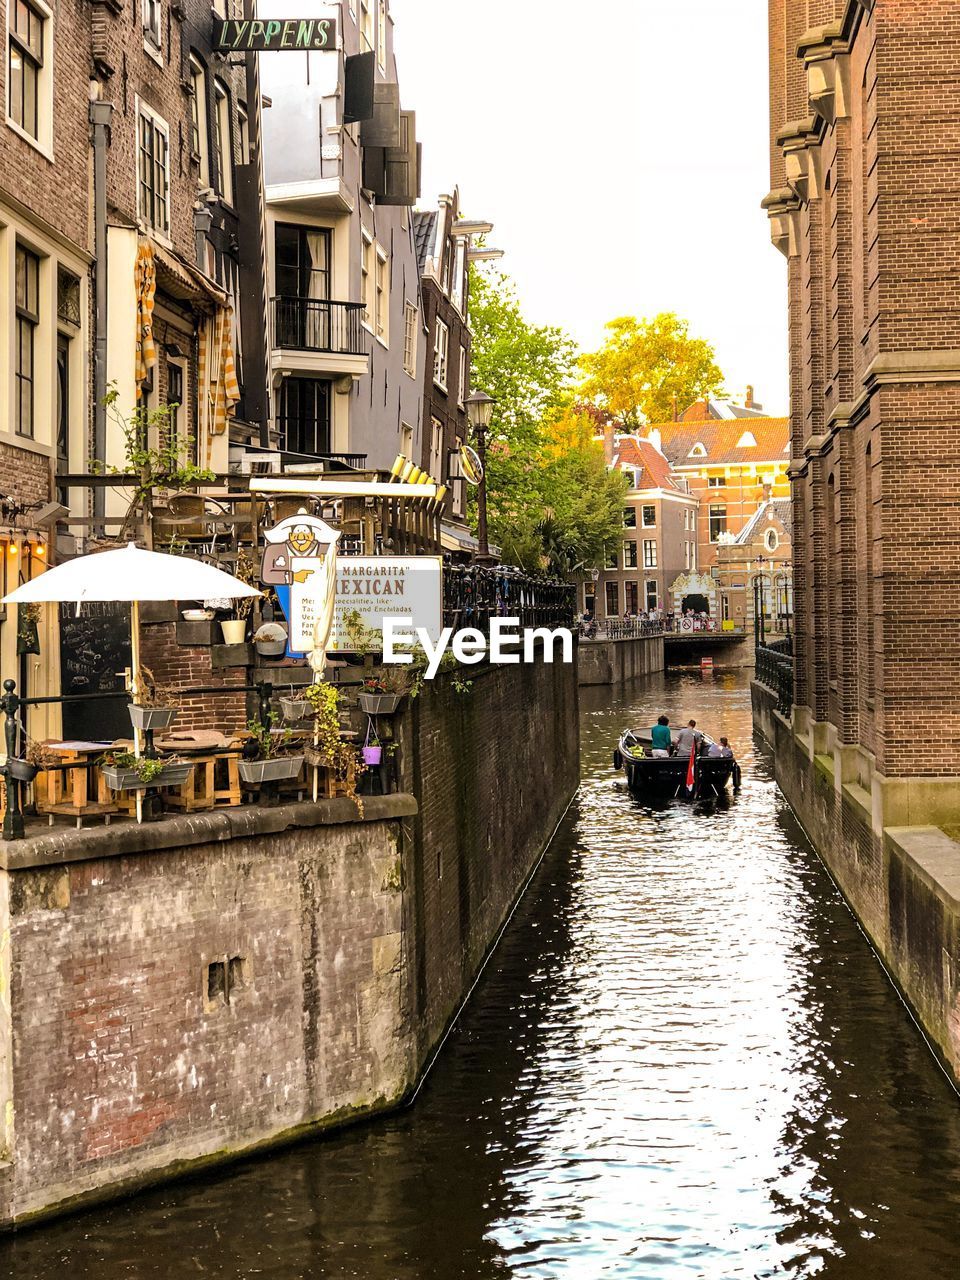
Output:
x,y
620,149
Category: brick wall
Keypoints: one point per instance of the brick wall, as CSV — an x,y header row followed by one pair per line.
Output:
x,y
184,667
24,475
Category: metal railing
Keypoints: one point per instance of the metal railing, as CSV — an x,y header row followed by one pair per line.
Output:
x,y
774,668
620,629
474,594
314,324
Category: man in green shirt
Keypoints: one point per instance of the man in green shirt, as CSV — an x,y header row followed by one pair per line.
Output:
x,y
661,738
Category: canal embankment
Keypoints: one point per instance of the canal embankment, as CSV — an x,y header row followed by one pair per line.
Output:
x,y
614,661
177,995
895,864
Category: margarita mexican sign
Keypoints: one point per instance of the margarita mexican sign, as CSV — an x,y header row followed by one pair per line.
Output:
x,y
408,589
268,35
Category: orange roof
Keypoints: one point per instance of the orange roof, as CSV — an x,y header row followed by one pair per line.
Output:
x,y
725,441
647,458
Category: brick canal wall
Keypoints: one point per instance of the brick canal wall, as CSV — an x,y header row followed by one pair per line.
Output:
x,y
899,874
186,992
617,661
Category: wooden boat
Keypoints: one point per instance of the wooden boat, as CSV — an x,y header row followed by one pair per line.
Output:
x,y
666,778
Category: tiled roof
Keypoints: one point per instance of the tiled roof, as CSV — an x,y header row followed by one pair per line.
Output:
x,y
655,473
779,507
706,410
424,227
721,440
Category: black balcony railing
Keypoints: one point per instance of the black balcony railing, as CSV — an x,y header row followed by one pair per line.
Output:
x,y
473,595
774,668
313,324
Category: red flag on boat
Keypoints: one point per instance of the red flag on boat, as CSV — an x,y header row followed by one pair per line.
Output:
x,y
692,767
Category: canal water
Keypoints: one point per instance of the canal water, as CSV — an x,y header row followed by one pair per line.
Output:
x,y
682,1061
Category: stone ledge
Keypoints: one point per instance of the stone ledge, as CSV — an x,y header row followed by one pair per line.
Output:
x,y
186,831
935,857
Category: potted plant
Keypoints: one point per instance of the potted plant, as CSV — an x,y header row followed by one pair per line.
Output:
x,y
381,695
28,628
372,751
124,771
271,640
155,707
328,750
270,758
235,629
295,709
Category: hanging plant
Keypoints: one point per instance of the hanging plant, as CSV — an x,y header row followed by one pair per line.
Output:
x,y
28,630
329,751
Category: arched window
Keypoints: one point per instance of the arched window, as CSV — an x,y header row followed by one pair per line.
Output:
x,y
771,539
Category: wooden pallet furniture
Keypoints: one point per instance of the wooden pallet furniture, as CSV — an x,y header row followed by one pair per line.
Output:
x,y
66,791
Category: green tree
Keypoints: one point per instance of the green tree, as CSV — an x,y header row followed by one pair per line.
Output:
x,y
646,367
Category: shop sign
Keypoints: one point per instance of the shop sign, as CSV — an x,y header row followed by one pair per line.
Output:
x,y
272,35
369,589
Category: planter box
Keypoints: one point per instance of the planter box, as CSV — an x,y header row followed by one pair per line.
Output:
x,y
117,779
152,717
234,630
231,655
198,635
154,612
286,768
295,708
380,704
271,648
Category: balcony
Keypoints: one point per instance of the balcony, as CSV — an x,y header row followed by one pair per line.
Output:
x,y
317,336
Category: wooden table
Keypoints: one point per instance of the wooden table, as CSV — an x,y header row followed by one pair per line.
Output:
x,y
201,791
65,791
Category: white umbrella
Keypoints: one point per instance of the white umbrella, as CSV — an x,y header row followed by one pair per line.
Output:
x,y
130,574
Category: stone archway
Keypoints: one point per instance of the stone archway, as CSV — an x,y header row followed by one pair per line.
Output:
x,y
696,591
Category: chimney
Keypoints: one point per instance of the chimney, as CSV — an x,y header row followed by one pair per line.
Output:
x,y
608,442
748,402
655,438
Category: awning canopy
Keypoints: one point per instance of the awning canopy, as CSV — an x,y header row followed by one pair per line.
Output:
x,y
180,279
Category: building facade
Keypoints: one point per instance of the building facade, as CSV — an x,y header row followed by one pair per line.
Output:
x,y
342,170
733,459
659,540
757,565
863,204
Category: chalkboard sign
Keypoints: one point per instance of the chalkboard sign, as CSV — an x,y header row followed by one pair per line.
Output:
x,y
94,646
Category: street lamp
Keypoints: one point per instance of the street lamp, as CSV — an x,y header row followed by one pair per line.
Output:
x,y
759,629
479,414
783,583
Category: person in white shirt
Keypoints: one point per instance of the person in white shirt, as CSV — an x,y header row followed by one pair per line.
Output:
x,y
720,750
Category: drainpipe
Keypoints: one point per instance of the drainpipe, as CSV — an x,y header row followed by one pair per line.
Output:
x,y
100,116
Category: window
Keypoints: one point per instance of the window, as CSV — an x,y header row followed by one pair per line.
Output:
x,y
718,520
698,451
631,594
649,553
198,118
177,408
436,447
302,261
406,440
365,256
610,560
612,592
686,555
716,482
63,411
382,296
153,185
411,318
152,23
441,349
629,517
771,540
25,65
304,419
590,598
221,141
649,517
629,555
462,377
367,19
28,321
243,134
68,297
382,35
652,593
459,275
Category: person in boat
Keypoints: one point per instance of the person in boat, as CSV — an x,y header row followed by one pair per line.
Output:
x,y
687,737
661,738
720,750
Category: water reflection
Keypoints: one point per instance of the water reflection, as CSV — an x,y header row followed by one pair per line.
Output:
x,y
683,1061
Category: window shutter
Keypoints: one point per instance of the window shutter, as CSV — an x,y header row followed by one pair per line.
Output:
x,y
359,88
383,128
401,164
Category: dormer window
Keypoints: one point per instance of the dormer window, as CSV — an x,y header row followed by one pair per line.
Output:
x,y
747,441
698,451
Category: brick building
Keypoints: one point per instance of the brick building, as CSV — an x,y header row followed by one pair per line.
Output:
x,y
759,559
659,535
444,252
733,458
864,205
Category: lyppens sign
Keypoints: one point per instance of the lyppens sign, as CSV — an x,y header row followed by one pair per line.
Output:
x,y
268,35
